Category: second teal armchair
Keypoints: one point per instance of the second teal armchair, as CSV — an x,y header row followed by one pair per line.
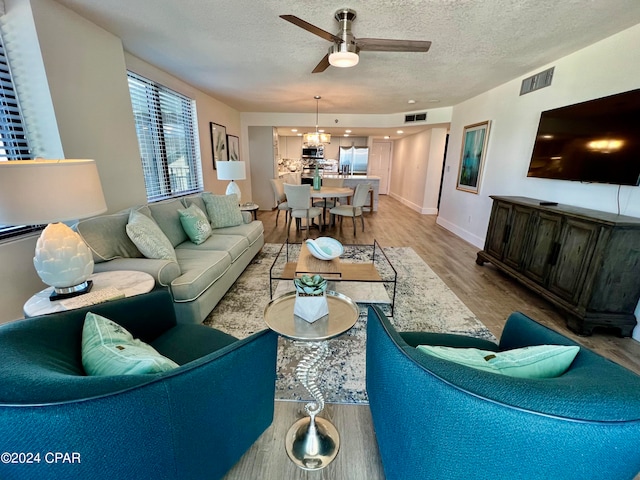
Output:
x,y
437,420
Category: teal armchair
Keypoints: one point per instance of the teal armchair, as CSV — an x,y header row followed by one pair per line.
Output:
x,y
193,422
435,419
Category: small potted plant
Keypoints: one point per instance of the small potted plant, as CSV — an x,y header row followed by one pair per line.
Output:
x,y
311,301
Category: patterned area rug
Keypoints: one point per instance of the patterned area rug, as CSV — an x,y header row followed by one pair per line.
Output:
x,y
423,303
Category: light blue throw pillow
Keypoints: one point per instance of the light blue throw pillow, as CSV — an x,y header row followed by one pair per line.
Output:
x,y
538,361
223,210
109,349
147,236
195,224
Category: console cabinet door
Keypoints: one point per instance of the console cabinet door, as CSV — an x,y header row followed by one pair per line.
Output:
x,y
497,230
572,257
544,238
518,232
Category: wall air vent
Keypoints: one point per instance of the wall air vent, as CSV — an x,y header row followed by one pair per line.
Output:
x,y
415,117
537,81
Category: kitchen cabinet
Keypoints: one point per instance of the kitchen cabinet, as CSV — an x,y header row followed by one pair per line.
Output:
x,y
585,262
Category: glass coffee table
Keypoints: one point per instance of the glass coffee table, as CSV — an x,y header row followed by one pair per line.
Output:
x,y
364,272
312,442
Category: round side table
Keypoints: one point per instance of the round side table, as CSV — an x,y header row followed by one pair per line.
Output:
x,y
129,282
312,442
250,207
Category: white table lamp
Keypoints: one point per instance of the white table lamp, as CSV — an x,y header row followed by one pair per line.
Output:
x,y
231,171
34,192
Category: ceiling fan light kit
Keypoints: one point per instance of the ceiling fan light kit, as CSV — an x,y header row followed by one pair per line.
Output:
x,y
346,48
343,55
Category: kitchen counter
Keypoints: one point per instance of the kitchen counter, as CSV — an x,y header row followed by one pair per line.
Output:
x,y
352,180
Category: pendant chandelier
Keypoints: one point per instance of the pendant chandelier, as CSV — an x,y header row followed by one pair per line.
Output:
x,y
316,138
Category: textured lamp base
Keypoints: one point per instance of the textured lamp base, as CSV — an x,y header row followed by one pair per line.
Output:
x,y
68,292
233,188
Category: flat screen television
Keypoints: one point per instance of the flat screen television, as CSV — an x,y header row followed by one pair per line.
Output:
x,y
596,141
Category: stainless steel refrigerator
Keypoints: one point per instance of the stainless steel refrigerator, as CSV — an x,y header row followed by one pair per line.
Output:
x,y
354,160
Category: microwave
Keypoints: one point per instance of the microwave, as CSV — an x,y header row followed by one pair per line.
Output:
x,y
313,152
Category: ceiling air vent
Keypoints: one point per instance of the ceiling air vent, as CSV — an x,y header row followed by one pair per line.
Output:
x,y
415,117
537,81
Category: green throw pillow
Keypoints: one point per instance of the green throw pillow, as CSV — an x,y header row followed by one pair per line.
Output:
x,y
147,236
195,223
538,361
109,349
223,210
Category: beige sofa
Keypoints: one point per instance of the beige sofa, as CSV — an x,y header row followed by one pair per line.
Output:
x,y
202,273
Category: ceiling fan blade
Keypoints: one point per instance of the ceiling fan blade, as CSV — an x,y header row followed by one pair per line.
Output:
x,y
385,45
311,28
323,65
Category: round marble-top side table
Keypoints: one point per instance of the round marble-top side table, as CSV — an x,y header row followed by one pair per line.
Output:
x,y
129,282
251,208
312,442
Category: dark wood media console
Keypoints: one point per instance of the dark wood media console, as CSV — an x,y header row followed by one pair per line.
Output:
x,y
585,262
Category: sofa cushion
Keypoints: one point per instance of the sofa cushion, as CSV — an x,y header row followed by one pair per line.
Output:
x,y
538,361
195,224
107,238
109,349
251,231
223,210
168,219
234,245
200,269
148,237
196,200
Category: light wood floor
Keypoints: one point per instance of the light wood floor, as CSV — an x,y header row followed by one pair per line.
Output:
x,y
489,294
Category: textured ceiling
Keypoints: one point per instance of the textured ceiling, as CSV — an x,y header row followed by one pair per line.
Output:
x,y
242,53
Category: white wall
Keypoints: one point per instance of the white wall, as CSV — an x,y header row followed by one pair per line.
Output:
x,y
85,71
607,67
416,169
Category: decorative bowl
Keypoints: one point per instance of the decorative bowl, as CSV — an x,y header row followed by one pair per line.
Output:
x,y
325,248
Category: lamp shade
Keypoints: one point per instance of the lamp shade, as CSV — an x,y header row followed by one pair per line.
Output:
x,y
33,192
231,170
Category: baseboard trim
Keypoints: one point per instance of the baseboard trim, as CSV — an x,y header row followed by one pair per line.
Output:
x,y
413,206
460,232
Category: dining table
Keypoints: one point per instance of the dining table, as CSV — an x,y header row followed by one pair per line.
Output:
x,y
331,192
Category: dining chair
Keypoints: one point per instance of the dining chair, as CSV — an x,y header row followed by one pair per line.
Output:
x,y
281,199
355,209
299,200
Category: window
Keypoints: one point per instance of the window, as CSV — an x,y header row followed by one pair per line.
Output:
x,y
13,140
168,138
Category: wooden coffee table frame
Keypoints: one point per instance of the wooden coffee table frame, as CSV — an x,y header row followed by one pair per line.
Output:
x,y
333,270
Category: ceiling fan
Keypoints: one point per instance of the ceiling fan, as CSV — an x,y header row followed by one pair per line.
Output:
x,y
345,48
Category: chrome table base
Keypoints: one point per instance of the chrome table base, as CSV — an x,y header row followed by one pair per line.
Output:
x,y
312,442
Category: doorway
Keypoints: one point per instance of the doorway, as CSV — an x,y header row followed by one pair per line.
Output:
x,y
380,164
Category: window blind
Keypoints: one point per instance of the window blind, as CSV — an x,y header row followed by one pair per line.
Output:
x,y
168,139
13,139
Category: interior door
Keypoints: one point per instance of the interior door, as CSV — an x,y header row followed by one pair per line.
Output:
x,y
380,164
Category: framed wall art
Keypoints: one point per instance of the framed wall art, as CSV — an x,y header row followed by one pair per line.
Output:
x,y
219,143
474,147
233,143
